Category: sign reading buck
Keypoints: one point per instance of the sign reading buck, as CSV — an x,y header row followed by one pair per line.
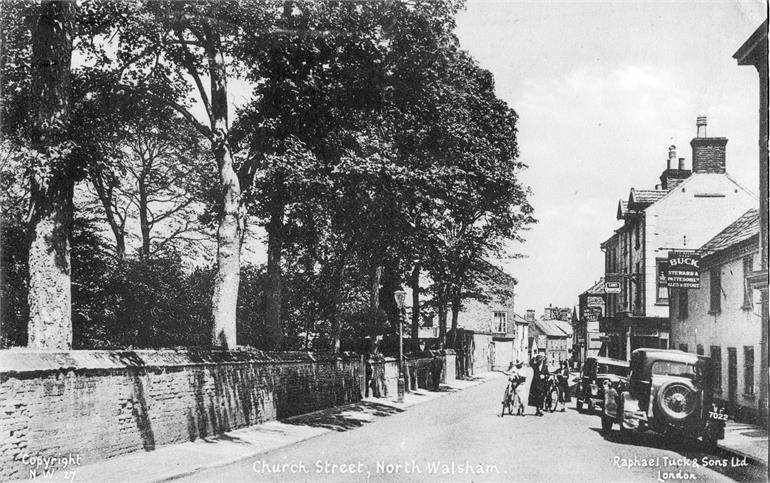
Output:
x,y
683,271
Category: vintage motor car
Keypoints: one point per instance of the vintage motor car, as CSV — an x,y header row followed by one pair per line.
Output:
x,y
596,370
667,391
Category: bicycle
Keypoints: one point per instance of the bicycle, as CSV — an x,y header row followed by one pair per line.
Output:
x,y
552,394
511,399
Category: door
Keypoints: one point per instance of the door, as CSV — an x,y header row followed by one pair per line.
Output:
x,y
503,355
732,377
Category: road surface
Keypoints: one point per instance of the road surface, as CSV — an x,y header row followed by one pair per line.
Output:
x,y
461,437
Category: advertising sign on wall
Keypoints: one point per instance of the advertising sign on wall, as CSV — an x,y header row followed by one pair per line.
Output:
x,y
683,270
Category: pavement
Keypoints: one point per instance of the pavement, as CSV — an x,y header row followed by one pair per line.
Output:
x,y
745,440
455,434
179,460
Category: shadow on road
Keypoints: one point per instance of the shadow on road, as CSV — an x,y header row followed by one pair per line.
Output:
x,y
689,448
345,418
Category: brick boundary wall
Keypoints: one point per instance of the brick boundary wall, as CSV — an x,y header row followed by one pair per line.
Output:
x,y
99,404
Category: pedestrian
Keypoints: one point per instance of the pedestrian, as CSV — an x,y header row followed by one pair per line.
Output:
x,y
563,377
539,380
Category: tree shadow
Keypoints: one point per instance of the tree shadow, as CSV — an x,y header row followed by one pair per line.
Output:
x,y
139,409
345,418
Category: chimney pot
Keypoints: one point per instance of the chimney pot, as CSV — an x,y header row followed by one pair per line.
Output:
x,y
701,123
672,157
657,187
681,164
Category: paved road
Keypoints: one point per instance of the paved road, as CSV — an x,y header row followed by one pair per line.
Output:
x,y
461,437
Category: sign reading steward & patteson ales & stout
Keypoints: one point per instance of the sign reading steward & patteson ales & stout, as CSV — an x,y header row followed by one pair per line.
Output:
x,y
683,270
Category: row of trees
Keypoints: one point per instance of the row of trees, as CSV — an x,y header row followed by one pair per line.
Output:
x,y
370,147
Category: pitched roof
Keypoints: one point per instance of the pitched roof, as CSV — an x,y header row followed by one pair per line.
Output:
x,y
549,328
564,326
645,197
622,209
596,288
741,229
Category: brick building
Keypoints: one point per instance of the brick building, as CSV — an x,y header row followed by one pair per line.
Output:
x,y
491,334
551,339
721,318
685,210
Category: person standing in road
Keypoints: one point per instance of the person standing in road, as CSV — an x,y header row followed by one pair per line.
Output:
x,y
563,376
539,381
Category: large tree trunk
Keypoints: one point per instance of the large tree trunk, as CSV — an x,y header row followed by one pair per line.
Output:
x,y
415,285
273,290
144,222
336,296
441,299
456,305
50,317
227,279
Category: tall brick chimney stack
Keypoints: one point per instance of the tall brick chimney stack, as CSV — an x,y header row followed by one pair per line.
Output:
x,y
708,154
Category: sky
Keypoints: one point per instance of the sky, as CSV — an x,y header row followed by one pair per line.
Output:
x,y
602,89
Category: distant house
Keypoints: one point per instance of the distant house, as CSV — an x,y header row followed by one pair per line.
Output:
x,y
721,318
490,332
552,338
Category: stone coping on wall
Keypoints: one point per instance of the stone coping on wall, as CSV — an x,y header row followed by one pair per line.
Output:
x,y
25,361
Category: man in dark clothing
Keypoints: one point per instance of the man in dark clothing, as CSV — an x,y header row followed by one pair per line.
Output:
x,y
539,380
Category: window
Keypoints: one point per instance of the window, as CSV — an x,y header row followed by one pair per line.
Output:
x,y
501,321
715,299
699,350
683,347
716,364
639,281
636,235
672,368
683,300
748,296
661,265
748,369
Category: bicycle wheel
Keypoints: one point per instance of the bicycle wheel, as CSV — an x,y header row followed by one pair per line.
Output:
x,y
506,402
554,399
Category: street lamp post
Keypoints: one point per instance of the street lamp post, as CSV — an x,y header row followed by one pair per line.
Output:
x,y
400,296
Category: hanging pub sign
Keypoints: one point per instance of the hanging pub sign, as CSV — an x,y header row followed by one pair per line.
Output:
x,y
682,270
612,286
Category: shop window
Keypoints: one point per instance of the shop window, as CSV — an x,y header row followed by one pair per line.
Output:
x,y
748,369
715,290
683,347
699,349
661,265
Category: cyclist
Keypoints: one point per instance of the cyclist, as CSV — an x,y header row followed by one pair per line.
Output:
x,y
516,380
